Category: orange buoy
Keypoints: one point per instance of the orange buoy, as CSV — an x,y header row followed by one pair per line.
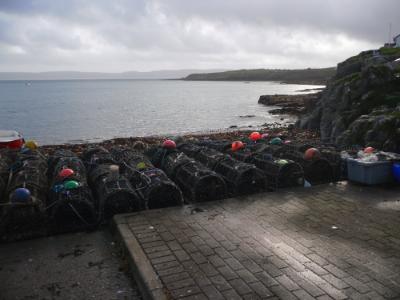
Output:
x,y
237,145
311,153
255,136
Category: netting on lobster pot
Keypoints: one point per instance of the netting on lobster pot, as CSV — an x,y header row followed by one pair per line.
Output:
x,y
316,171
23,206
114,192
221,146
209,157
73,163
299,146
151,184
245,155
29,160
97,156
157,189
71,209
70,203
190,149
274,150
4,172
334,158
197,182
280,173
241,177
55,157
172,160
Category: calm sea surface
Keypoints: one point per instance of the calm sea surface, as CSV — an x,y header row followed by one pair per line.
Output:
x,y
54,112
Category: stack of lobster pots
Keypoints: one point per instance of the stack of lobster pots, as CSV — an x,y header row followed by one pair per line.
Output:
x,y
23,202
112,189
151,184
71,205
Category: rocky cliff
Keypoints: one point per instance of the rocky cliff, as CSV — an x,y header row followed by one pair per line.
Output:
x,y
361,103
290,104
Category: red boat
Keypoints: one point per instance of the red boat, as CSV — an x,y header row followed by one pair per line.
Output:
x,y
11,139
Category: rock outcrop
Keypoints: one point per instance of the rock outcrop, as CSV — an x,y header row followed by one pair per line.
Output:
x,y
361,103
290,104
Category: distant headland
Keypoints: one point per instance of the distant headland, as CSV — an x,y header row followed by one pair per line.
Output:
x,y
295,76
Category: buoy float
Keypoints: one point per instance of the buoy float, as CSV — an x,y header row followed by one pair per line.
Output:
x,y
265,136
71,185
369,150
281,162
237,145
311,153
255,136
169,144
65,173
31,145
276,141
21,195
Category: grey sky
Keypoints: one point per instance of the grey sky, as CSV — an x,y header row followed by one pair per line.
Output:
x,y
121,35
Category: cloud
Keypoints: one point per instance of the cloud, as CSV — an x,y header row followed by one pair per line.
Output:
x,y
40,35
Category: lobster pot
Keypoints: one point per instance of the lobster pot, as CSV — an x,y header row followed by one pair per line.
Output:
x,y
116,196
114,192
30,160
210,158
275,150
97,156
23,218
131,160
29,171
242,178
245,155
300,147
73,209
334,158
280,175
33,180
172,161
151,184
316,171
190,150
156,189
198,183
73,163
53,160
4,172
220,146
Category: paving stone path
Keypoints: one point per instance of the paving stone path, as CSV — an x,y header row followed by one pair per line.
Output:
x,y
328,242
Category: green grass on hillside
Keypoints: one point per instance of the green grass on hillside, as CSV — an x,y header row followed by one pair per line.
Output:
x,y
300,75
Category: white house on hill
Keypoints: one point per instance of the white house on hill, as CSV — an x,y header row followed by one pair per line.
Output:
x,y
396,41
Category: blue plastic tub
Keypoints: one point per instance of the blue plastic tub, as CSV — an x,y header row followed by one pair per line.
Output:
x,y
396,172
370,173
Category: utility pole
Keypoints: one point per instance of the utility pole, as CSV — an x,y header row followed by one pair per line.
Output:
x,y
390,32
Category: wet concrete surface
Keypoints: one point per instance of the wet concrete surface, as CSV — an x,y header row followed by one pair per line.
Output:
x,y
71,266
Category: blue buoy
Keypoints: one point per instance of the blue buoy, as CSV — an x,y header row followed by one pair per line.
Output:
x,y
396,171
21,195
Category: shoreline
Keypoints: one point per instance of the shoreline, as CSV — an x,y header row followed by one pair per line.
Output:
x,y
273,130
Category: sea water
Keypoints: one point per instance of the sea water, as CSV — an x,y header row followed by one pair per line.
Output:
x,y
62,111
